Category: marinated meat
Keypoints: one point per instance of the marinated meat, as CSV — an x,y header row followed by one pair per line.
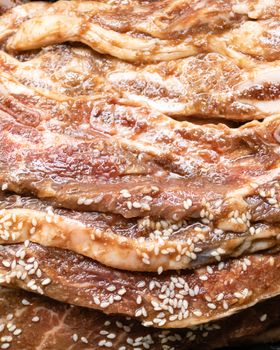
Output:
x,y
129,244
29,321
207,85
110,155
151,32
106,186
174,300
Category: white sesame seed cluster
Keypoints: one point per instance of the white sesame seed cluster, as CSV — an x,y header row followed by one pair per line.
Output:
x,y
166,300
153,245
80,329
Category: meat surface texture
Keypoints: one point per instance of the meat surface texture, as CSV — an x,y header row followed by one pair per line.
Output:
x,y
235,77
209,85
85,154
128,244
156,31
171,300
29,321
210,184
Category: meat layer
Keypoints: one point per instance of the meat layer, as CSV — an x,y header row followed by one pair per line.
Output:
x,y
172,300
29,321
113,156
147,32
129,244
207,85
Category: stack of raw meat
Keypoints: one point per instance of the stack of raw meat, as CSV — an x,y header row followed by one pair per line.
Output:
x,y
139,174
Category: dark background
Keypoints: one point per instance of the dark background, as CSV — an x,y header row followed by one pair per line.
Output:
x,y
258,347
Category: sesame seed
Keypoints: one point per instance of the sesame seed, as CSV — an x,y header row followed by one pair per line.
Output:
x,y
220,297
102,342
103,332
119,324
238,295
40,290
111,336
196,290
88,201
212,306
111,288
144,312
28,267
35,319
214,253
192,338
104,304
136,205
271,261
4,187
145,206
5,346
203,278
191,292
17,331
6,263
125,193
30,283
80,200
138,312
32,230
46,281
247,262
49,219
221,251
84,340
225,305
197,313
75,337
202,213
11,327
272,200
263,317
31,260
122,291
187,203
